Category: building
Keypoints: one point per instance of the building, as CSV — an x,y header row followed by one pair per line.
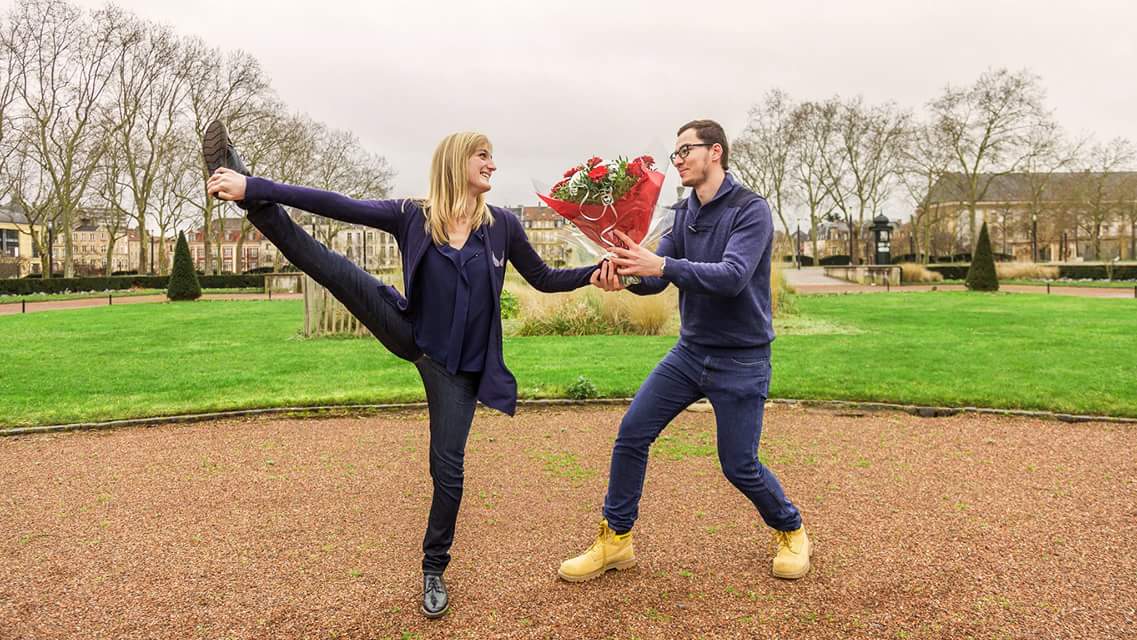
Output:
x,y
18,255
1065,216
238,248
547,233
93,240
243,248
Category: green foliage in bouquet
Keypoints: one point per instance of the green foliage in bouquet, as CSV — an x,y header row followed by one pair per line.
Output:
x,y
588,183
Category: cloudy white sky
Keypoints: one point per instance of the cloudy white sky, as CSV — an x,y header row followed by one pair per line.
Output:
x,y
554,82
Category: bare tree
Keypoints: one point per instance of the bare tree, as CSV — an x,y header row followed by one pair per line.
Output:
x,y
112,195
177,186
924,165
230,87
869,144
762,154
816,128
26,181
1128,192
150,93
990,129
63,62
7,99
1100,188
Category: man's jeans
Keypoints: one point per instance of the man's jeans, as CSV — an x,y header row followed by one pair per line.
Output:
x,y
451,398
737,382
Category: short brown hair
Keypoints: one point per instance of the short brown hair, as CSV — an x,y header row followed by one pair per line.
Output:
x,y
710,132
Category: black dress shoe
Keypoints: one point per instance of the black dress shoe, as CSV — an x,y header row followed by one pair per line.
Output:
x,y
218,150
435,600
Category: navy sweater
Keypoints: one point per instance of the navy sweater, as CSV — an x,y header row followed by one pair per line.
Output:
x,y
718,255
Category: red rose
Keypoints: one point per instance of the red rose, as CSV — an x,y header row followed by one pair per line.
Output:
x,y
647,161
572,171
594,161
598,173
636,170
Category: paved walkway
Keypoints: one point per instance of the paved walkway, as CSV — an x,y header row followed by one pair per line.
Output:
x,y
9,308
812,280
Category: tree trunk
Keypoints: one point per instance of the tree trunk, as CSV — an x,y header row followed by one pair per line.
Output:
x,y
68,264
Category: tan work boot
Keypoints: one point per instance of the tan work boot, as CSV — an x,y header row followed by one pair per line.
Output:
x,y
610,551
794,548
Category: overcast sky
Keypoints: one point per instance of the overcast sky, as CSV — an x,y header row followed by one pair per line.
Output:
x,y
552,83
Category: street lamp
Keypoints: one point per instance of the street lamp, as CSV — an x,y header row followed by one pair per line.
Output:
x,y
797,239
1034,236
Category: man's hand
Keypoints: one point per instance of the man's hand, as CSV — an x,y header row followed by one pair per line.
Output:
x,y
226,184
635,260
605,277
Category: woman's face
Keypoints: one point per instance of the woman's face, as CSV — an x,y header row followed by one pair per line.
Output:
x,y
479,169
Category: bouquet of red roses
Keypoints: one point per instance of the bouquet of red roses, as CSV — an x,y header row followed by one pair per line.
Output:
x,y
601,197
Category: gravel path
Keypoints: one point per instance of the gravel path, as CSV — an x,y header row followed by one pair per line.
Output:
x,y
969,526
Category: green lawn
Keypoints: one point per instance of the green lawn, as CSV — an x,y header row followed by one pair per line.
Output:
x,y
1014,351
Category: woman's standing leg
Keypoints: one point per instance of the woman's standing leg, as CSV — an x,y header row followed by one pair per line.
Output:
x,y
451,399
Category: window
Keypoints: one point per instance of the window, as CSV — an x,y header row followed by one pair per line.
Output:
x,y
9,243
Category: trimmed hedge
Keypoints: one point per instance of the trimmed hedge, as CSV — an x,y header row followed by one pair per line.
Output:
x,y
1097,271
27,286
806,261
1065,271
836,261
950,271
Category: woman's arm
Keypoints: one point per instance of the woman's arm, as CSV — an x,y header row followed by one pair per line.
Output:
x,y
380,214
531,267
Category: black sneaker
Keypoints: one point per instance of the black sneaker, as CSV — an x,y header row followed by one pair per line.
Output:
x,y
435,600
218,150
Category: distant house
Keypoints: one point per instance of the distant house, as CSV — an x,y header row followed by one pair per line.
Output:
x,y
16,247
1069,215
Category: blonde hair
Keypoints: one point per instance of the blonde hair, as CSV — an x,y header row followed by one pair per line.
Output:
x,y
450,185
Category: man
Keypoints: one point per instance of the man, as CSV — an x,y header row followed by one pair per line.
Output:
x,y
718,255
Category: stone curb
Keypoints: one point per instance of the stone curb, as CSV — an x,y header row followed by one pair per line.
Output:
x,y
702,406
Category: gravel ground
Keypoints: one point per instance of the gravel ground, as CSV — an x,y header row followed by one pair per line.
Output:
x,y
969,526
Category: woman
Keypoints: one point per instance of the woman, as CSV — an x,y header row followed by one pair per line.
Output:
x,y
454,249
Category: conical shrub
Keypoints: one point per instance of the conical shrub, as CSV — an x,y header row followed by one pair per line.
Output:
x,y
183,280
981,274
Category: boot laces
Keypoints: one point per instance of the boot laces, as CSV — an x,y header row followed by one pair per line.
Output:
x,y
603,535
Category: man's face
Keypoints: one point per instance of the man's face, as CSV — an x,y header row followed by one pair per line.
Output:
x,y
692,158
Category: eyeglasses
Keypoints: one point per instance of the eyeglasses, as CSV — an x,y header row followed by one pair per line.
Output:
x,y
685,150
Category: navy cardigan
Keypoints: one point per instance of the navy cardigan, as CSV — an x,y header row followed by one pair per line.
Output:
x,y
505,240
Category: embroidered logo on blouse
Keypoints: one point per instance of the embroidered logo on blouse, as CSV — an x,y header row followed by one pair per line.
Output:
x,y
498,262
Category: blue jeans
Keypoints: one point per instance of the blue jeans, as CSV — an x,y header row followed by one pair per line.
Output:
x,y
737,382
451,398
